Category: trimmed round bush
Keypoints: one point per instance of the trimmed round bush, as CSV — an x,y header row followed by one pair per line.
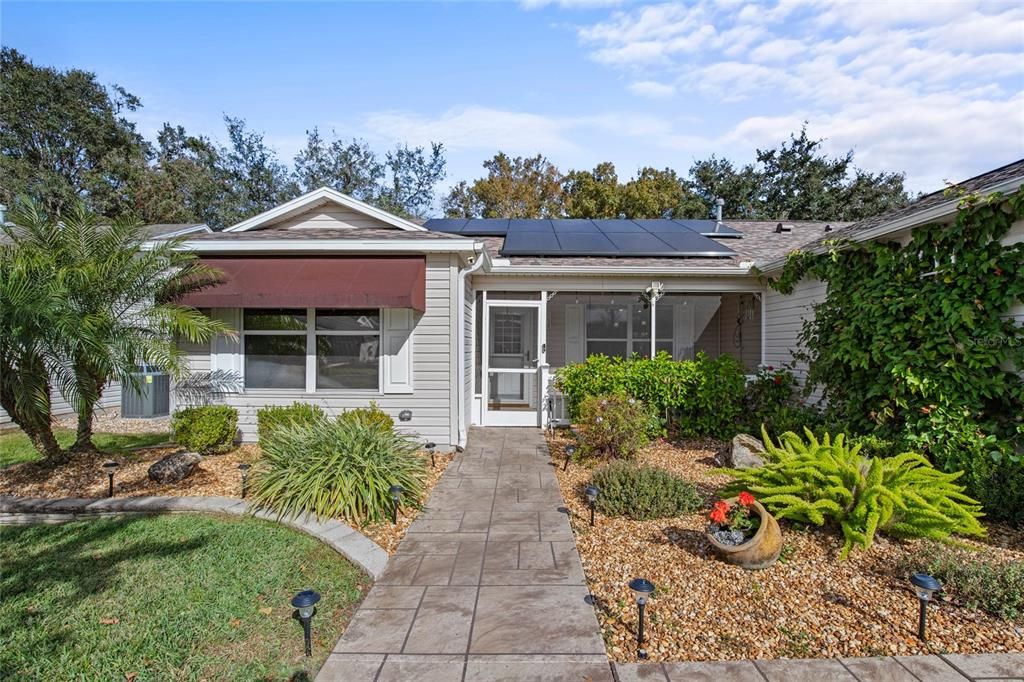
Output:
x,y
372,414
337,468
206,429
274,416
643,492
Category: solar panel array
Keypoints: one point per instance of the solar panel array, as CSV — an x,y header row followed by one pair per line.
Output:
x,y
606,237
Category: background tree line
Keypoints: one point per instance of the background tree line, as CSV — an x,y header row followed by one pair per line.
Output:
x,y
65,138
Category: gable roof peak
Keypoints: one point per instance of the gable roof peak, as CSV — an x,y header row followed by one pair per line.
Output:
x,y
315,198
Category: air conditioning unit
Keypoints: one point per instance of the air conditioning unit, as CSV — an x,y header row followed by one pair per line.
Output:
x,y
153,397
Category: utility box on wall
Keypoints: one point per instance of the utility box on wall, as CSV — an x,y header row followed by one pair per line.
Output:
x,y
153,399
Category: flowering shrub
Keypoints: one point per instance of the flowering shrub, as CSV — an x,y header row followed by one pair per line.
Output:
x,y
613,426
771,401
736,522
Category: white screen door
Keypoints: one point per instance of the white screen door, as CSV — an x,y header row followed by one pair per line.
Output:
x,y
511,363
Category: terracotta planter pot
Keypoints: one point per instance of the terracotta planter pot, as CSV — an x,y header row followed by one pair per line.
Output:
x,y
760,551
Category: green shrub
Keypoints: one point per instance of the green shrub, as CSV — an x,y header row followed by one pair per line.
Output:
x,y
337,468
643,492
700,397
903,496
973,579
613,426
371,414
274,416
770,401
207,429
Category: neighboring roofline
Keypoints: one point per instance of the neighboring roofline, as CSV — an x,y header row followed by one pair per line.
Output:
x,y
298,204
202,227
349,245
911,220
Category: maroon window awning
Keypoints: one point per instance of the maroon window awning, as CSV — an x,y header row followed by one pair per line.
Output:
x,y
323,282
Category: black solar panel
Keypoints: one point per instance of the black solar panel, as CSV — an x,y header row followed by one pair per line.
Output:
x,y
657,225
530,225
710,228
445,224
532,243
487,227
638,242
693,244
585,243
565,225
617,225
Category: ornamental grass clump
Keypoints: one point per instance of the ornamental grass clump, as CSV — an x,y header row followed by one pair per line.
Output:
x,y
337,468
827,480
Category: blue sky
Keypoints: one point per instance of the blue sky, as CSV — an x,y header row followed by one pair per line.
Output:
x,y
934,89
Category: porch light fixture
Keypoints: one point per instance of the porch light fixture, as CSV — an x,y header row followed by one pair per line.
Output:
x,y
430,448
244,468
592,491
925,586
570,450
642,590
110,467
396,496
305,605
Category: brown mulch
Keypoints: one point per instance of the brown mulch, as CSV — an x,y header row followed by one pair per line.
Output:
x,y
215,475
808,605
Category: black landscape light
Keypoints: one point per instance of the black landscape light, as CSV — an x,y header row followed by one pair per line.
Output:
x,y
305,604
592,491
430,448
110,467
925,586
570,450
396,496
244,468
642,589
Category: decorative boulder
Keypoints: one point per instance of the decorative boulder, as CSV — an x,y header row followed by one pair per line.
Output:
x,y
174,467
746,452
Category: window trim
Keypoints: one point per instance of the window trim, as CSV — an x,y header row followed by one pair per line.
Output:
x,y
630,340
311,332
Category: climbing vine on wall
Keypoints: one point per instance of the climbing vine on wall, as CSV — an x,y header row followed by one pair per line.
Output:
x,y
915,342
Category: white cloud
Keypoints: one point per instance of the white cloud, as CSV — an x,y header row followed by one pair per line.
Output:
x,y
932,88
652,89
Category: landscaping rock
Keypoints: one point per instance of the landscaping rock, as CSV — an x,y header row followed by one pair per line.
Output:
x,y
746,452
174,467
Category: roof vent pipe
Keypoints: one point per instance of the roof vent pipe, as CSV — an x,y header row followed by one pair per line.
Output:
x,y
719,203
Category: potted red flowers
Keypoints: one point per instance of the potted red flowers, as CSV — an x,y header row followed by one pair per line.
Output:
x,y
744,533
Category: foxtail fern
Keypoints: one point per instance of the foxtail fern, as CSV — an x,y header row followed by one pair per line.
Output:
x,y
827,480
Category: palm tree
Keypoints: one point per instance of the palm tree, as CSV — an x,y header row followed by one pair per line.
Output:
x,y
120,292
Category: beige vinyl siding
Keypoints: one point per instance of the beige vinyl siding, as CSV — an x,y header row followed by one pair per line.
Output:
x,y
468,320
433,399
330,215
109,402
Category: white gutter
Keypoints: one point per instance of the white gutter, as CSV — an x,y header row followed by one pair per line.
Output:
x,y
912,220
309,245
460,355
742,269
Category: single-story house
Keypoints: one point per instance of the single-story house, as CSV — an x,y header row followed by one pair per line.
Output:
x,y
452,323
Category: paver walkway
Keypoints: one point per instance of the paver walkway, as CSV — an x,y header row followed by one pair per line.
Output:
x,y
486,585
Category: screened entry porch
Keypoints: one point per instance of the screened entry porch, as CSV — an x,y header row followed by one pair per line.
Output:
x,y
521,338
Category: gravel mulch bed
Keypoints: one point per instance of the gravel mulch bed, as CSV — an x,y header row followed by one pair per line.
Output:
x,y
109,421
808,605
215,475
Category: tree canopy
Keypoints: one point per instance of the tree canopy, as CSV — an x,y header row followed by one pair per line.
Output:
x,y
66,138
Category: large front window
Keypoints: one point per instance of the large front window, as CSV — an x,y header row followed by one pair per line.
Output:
x,y
311,349
622,330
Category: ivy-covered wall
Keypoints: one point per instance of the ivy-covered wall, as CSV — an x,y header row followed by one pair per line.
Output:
x,y
917,342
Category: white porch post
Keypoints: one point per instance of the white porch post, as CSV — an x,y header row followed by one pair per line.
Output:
x,y
654,326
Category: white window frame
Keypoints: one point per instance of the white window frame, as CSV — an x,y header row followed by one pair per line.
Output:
x,y
633,344
311,332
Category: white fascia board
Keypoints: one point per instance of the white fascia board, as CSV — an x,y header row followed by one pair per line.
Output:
x,y
189,230
930,215
339,245
298,204
598,271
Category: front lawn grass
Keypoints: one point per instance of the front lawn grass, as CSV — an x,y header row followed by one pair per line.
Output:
x,y
171,597
15,447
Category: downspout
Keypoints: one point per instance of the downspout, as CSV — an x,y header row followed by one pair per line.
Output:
x,y
460,352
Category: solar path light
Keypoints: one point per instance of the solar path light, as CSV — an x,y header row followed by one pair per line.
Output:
x,y
110,467
642,590
925,586
396,497
244,468
305,604
430,448
592,491
570,450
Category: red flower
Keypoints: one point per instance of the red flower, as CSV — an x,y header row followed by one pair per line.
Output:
x,y
771,368
723,505
778,381
717,515
746,499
